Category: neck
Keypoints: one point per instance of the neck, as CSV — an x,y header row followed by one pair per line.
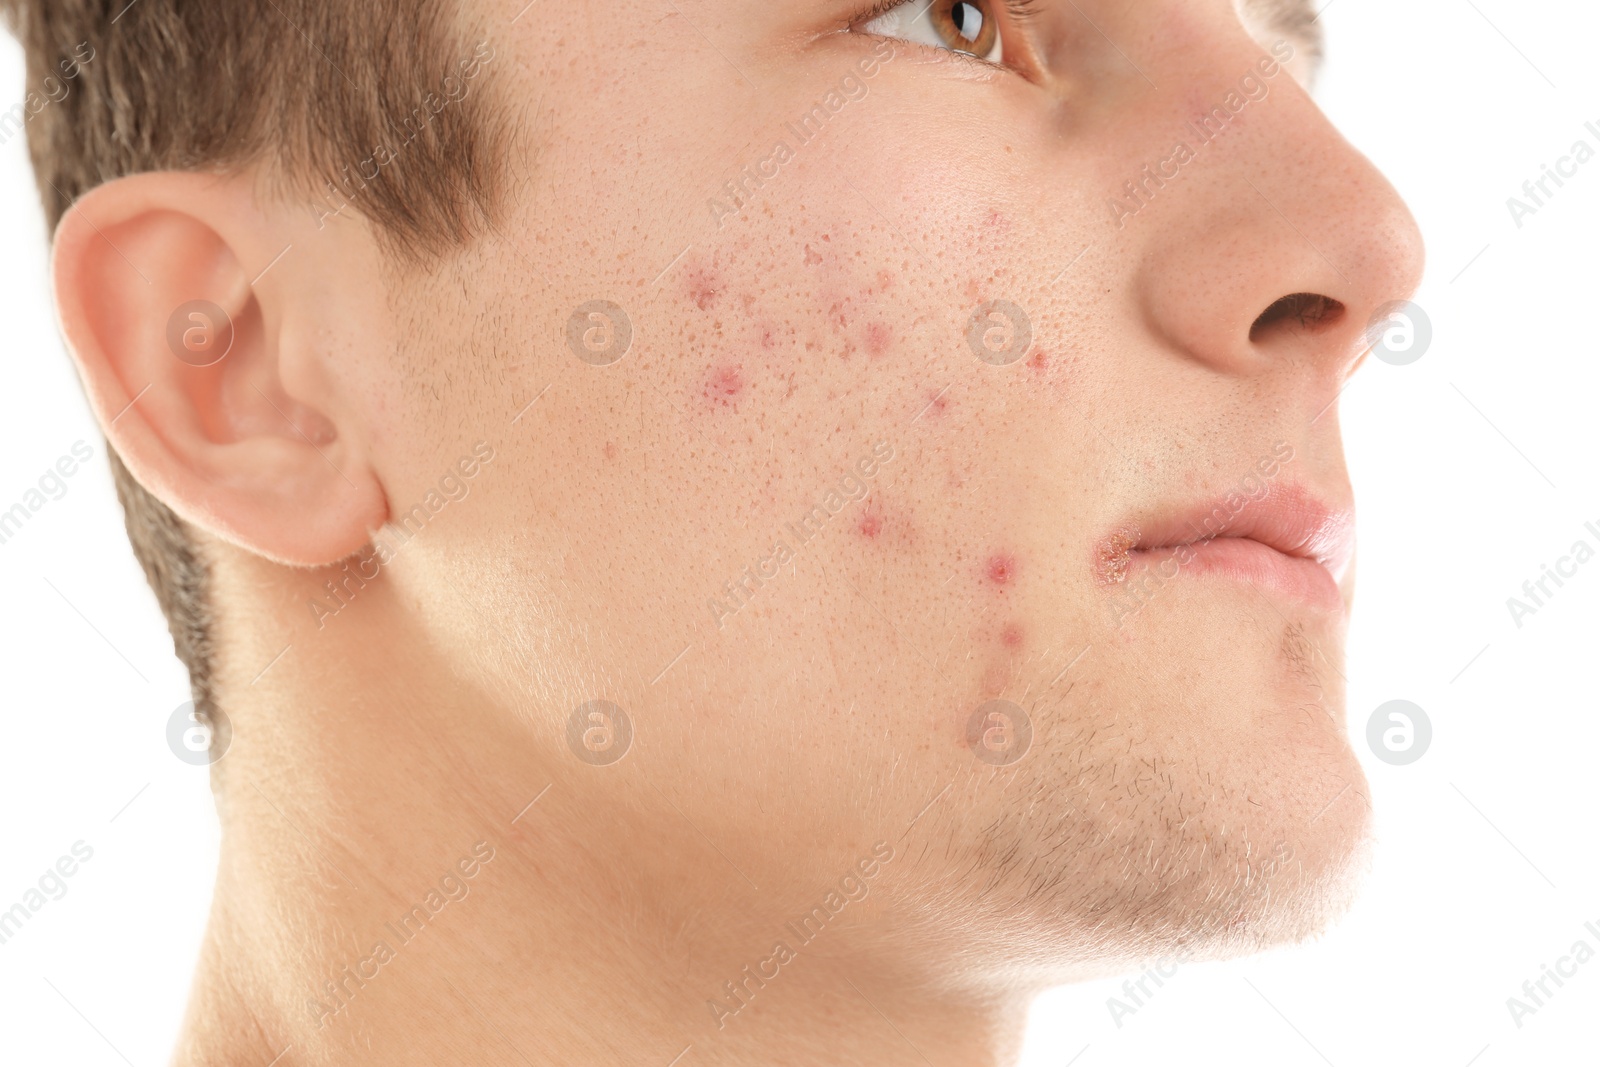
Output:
x,y
411,873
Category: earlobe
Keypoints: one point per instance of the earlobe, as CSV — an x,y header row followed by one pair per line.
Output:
x,y
202,369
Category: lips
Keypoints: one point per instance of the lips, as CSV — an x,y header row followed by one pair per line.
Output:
x,y
1285,539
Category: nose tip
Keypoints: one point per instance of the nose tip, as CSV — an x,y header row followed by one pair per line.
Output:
x,y
1291,235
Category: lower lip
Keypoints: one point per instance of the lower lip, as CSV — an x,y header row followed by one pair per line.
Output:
x,y
1241,559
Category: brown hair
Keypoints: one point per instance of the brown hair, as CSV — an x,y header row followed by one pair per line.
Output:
x,y
315,89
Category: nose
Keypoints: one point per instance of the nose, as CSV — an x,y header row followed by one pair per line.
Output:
x,y
1278,241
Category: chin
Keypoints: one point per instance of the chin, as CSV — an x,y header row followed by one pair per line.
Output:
x,y
1115,851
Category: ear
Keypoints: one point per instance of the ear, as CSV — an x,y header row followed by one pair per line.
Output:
x,y
204,348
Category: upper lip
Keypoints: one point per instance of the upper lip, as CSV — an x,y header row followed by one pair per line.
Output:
x,y
1288,517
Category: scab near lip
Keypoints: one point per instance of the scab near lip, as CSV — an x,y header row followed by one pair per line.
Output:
x,y
1113,555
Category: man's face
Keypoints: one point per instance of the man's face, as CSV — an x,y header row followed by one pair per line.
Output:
x,y
924,367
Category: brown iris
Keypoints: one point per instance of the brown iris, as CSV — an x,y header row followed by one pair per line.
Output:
x,y
965,26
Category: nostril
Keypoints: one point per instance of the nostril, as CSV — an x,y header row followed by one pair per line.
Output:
x,y
1302,312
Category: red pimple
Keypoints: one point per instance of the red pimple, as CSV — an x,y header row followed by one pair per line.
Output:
x,y
611,450
1001,569
812,258
878,338
1039,362
704,288
1011,636
724,384
871,525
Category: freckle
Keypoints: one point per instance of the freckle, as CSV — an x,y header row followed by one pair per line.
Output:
x,y
1001,569
724,384
1011,636
878,338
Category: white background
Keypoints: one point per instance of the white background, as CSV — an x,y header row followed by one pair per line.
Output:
x,y
1473,466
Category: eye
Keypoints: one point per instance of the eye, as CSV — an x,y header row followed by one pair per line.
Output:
x,y
966,26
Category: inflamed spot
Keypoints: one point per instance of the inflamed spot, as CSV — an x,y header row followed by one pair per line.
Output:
x,y
725,383
1001,569
937,403
879,337
704,288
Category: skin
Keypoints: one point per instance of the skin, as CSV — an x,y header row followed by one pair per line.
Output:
x,y
1189,788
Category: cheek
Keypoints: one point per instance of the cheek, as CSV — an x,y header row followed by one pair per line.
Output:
x,y
879,336
702,285
1001,570
723,385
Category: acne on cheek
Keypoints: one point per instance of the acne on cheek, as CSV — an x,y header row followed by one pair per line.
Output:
x,y
723,385
1000,570
703,286
879,338
935,403
885,524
